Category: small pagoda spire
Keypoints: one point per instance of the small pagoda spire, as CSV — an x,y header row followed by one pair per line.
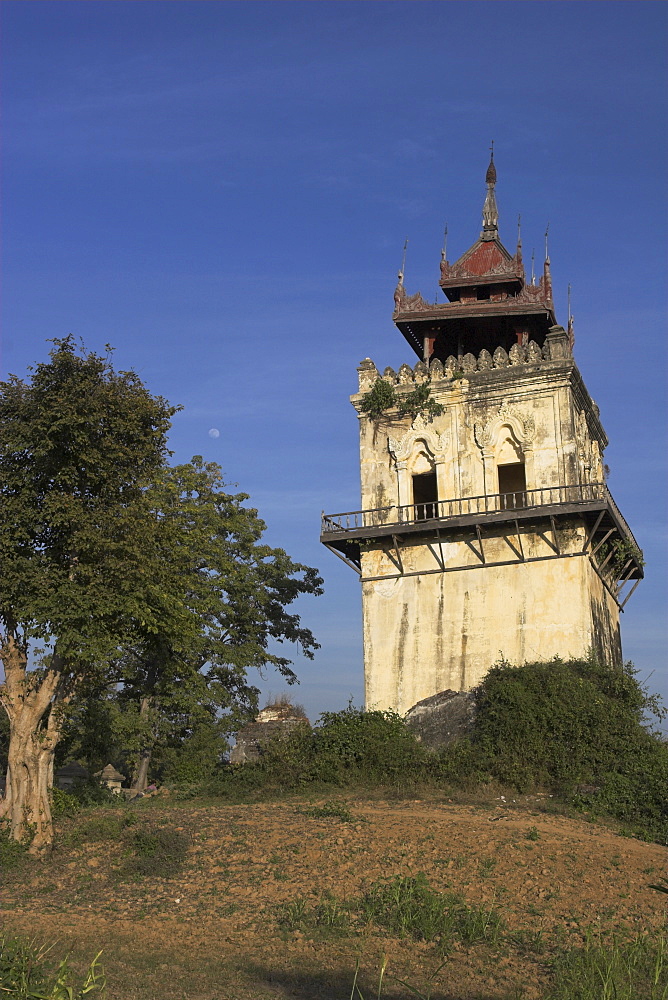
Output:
x,y
490,213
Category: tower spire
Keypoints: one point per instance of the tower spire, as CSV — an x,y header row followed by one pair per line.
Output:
x,y
490,213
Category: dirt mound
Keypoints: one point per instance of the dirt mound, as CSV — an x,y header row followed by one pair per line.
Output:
x,y
214,931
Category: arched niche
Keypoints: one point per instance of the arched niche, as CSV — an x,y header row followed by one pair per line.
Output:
x,y
505,440
421,451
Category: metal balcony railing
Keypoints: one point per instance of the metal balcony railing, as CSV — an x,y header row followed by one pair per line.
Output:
x,y
496,503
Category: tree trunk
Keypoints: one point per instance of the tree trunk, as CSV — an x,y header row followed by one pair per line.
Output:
x,y
141,773
30,755
34,730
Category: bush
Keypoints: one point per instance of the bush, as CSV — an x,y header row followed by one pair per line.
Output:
x,y
89,792
330,810
197,758
559,725
352,747
64,804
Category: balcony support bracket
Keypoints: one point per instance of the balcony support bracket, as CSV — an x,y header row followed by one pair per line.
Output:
x,y
592,533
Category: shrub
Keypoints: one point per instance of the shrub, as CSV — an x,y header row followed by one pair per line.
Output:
x,y
89,792
365,747
379,398
564,724
64,804
352,747
197,758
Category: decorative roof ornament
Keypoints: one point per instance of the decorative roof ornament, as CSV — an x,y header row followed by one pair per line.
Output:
x,y
490,213
400,291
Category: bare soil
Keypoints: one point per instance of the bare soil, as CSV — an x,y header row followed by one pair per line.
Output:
x,y
212,931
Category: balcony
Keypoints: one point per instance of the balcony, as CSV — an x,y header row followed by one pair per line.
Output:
x,y
608,536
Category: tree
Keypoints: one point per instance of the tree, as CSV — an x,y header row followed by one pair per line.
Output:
x,y
236,590
79,446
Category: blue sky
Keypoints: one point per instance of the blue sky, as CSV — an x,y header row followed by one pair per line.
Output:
x,y
222,190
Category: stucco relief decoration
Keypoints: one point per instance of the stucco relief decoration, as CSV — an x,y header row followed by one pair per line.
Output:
x,y
589,452
435,444
523,427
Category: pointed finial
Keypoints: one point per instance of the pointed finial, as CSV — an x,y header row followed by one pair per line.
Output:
x,y
403,261
533,267
445,243
490,213
547,256
490,176
519,230
570,328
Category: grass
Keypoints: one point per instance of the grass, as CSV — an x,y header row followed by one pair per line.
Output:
x,y
330,810
28,972
12,853
157,850
327,918
407,906
612,970
635,969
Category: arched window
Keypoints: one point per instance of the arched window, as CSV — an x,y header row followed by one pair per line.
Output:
x,y
511,472
425,488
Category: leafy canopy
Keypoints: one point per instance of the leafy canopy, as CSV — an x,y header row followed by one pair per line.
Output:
x,y
79,444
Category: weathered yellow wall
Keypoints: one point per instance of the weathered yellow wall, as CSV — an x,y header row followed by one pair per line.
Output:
x,y
437,630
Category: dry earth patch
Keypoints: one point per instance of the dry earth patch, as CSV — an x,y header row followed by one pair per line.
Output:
x,y
213,929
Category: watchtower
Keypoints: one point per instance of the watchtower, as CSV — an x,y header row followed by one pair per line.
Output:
x,y
486,527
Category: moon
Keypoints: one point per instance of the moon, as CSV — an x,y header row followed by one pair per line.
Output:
x,y
214,432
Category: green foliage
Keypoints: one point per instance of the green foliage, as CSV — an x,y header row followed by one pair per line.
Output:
x,y
612,970
561,724
105,826
197,756
619,551
382,396
79,442
348,747
407,906
419,401
63,803
90,792
183,691
149,587
327,918
27,972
